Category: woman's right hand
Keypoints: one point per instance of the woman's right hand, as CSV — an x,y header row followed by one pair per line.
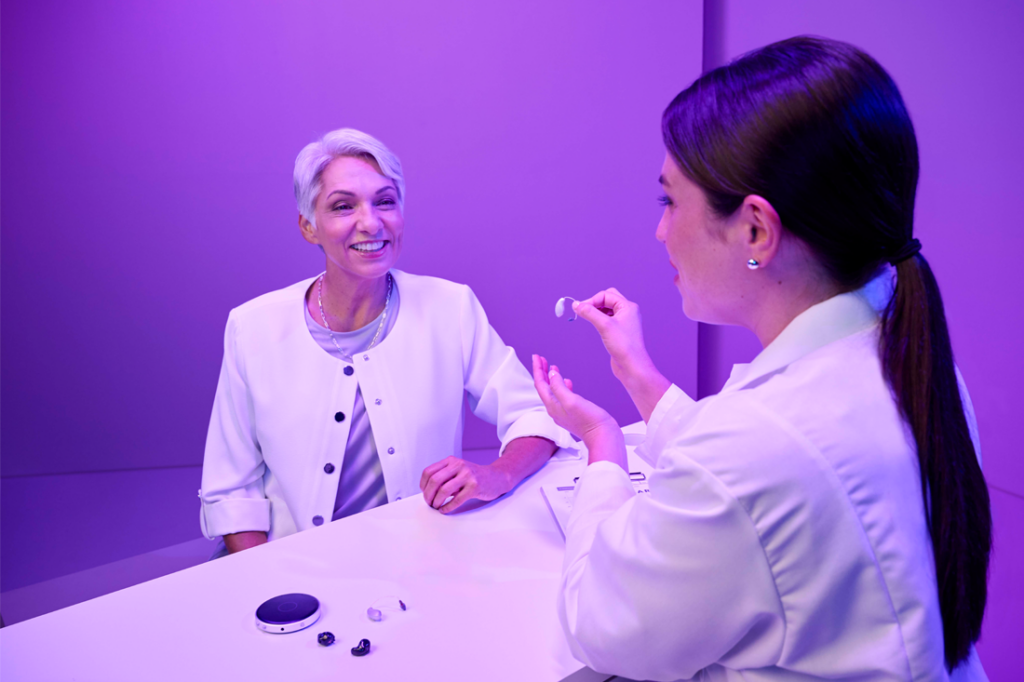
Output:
x,y
617,320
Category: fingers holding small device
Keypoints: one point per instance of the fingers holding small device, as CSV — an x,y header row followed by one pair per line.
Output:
x,y
560,305
617,320
608,302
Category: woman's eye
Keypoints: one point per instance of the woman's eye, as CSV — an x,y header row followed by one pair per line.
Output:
x,y
342,207
664,200
386,202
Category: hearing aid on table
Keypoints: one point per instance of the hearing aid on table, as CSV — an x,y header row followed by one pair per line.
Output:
x,y
377,615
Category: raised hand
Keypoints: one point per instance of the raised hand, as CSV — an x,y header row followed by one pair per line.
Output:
x,y
594,425
617,320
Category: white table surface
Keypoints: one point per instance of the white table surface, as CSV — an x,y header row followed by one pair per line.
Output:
x,y
480,587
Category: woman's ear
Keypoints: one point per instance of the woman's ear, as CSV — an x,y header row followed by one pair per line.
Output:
x,y
308,231
762,229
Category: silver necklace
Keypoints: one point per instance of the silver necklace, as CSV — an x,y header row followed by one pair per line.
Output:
x,y
380,326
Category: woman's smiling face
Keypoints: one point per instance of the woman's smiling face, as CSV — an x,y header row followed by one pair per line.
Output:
x,y
359,222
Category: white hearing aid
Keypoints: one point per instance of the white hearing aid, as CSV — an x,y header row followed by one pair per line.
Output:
x,y
560,307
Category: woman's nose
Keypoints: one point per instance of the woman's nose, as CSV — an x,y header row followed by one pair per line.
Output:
x,y
370,220
660,231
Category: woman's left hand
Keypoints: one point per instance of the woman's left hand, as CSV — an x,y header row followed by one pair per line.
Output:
x,y
462,481
598,429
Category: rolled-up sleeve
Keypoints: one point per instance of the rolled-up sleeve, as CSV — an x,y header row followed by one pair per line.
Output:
x,y
500,389
658,586
232,496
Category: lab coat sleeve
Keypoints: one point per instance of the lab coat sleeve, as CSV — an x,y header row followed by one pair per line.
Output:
x,y
659,586
647,450
666,403
500,389
232,495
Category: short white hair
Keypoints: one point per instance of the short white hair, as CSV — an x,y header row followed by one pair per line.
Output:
x,y
315,157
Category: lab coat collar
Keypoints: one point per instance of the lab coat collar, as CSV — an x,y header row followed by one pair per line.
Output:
x,y
816,327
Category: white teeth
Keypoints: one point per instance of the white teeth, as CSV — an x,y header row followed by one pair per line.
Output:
x,y
369,246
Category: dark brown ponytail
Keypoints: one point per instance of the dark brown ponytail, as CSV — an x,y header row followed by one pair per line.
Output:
x,y
819,129
918,363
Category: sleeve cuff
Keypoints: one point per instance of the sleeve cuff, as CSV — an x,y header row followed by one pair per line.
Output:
x,y
537,423
673,394
602,489
234,516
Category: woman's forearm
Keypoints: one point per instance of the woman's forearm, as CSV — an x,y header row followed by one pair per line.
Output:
x,y
645,385
522,457
236,542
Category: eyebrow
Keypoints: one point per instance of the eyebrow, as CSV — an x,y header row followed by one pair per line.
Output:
x,y
662,181
346,193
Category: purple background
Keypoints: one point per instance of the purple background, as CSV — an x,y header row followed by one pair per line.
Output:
x,y
145,175
146,190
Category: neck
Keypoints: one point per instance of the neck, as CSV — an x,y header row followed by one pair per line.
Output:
x,y
349,302
782,300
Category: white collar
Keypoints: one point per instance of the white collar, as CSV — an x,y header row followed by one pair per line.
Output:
x,y
818,326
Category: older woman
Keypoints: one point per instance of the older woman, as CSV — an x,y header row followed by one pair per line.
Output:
x,y
345,391
825,515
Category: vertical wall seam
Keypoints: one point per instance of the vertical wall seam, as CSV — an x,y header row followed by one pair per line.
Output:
x,y
712,56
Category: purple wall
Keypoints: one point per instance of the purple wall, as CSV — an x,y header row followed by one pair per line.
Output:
x,y
146,190
960,67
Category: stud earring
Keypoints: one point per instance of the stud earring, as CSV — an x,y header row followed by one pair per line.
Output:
x,y
753,264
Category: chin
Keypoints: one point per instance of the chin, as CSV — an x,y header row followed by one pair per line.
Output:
x,y
374,268
685,301
692,311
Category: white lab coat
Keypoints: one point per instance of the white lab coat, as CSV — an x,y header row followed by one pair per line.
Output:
x,y
274,425
784,536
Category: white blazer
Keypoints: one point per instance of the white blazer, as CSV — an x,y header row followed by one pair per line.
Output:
x,y
784,537
273,428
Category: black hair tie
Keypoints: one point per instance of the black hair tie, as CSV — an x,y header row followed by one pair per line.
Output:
x,y
908,250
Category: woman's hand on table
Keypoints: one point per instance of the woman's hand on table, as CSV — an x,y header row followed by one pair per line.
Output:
x,y
462,481
617,320
599,431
